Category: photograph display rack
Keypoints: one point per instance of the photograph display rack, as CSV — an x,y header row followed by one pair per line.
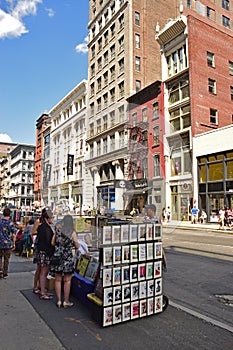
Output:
x,y
131,271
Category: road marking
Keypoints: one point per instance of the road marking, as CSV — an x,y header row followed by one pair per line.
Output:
x,y
201,316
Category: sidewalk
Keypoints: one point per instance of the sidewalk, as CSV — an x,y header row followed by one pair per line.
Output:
x,y
186,225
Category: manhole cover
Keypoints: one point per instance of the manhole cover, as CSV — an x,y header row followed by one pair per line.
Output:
x,y
225,299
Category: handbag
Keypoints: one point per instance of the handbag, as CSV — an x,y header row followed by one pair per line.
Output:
x,y
55,260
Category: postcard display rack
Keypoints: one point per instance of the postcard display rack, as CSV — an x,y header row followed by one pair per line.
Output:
x,y
131,272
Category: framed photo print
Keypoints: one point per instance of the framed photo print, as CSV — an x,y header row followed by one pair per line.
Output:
x,y
141,232
150,306
126,312
157,231
125,254
149,270
149,231
142,289
117,295
107,235
133,233
142,252
116,234
107,277
126,292
125,274
133,273
158,286
150,288
116,278
158,251
143,308
108,316
159,304
117,314
117,255
134,291
149,251
141,271
157,269
108,296
107,256
135,309
134,253
124,233
92,271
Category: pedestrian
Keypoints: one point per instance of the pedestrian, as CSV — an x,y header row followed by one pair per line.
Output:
x,y
221,218
163,214
151,213
45,251
168,214
64,240
203,217
7,241
194,214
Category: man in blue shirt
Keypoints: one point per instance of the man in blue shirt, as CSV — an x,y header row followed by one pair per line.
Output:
x,y
194,217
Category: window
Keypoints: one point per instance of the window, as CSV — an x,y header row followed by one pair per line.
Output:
x,y
145,115
113,9
134,119
112,72
180,158
137,19
226,22
155,108
99,63
105,121
212,86
231,88
210,13
121,139
156,135
178,91
113,51
112,118
92,108
226,4
100,44
156,165
92,89
121,21
112,95
137,63
93,70
138,85
98,125
121,44
213,116
121,2
121,111
230,68
105,146
91,151
93,51
145,167
105,97
99,85
210,59
106,16
98,144
121,66
177,61
99,104
137,41
121,89
100,24
92,129
112,142
106,57
113,30
106,37
105,78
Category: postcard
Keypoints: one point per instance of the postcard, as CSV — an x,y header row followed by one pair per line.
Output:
x,y
107,235
125,274
108,296
134,291
116,234
117,255
150,288
133,253
117,314
158,286
126,292
117,295
133,233
125,254
133,273
107,277
124,233
141,232
126,312
150,306
107,256
108,316
143,308
135,309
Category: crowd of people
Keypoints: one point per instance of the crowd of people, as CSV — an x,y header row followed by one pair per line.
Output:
x,y
225,218
53,251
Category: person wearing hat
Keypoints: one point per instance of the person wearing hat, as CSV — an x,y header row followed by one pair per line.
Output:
x,y
151,213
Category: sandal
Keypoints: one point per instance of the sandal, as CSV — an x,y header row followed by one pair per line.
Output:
x,y
36,290
46,297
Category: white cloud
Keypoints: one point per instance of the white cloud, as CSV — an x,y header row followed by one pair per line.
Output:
x,y
82,47
51,13
11,24
5,138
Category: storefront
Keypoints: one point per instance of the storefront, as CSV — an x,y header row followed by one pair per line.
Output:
x,y
181,199
136,195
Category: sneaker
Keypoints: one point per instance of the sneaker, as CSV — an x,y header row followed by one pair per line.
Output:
x,y
5,276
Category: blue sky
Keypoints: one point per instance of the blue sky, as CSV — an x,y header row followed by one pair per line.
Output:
x,y
43,56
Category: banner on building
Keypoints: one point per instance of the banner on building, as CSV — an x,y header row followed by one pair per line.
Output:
x,y
48,172
70,164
